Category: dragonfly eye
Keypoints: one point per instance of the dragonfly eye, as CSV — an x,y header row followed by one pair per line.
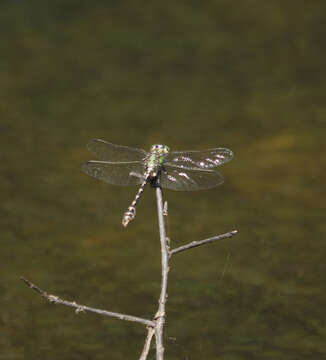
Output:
x,y
163,149
155,147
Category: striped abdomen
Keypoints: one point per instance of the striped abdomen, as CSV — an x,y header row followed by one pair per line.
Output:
x,y
131,212
153,164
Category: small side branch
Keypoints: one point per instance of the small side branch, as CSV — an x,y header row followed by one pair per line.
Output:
x,y
82,308
155,327
150,333
202,242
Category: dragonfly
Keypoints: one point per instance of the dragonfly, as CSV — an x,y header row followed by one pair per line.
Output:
x,y
174,170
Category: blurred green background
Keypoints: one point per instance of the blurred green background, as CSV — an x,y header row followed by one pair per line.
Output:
x,y
249,76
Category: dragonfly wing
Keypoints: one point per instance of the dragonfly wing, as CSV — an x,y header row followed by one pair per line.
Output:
x,y
111,152
181,179
206,159
116,173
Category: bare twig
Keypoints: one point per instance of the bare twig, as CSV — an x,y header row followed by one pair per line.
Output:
x,y
155,326
160,315
150,333
202,242
82,308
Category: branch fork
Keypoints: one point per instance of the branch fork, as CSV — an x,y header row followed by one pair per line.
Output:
x,y
154,327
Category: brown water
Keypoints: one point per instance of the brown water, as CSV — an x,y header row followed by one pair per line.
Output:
x,y
248,76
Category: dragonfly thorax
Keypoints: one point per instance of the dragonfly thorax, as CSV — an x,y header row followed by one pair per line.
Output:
x,y
155,159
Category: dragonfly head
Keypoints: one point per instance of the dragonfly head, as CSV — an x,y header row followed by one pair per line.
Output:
x,y
160,149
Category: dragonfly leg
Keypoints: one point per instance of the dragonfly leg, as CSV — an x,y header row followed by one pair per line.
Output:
x,y
155,181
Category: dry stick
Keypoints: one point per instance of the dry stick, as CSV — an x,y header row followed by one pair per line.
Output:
x,y
160,315
166,255
202,242
82,308
150,333
157,325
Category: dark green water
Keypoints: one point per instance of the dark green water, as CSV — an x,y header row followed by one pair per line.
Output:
x,y
193,75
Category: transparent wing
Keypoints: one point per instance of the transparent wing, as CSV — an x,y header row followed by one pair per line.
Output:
x,y
179,179
206,159
111,152
116,173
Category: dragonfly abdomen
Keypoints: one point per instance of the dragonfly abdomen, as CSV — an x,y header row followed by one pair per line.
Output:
x,y
131,212
152,166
